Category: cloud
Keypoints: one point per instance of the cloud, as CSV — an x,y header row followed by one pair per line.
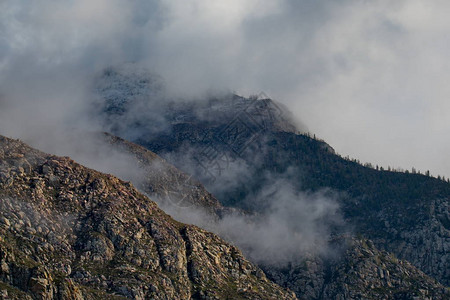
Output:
x,y
370,77
53,51
289,225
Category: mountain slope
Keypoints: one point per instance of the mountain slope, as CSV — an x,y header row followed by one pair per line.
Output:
x,y
163,181
69,232
361,271
237,147
357,271
406,214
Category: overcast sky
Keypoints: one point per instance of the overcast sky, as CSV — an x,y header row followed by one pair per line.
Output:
x,y
369,77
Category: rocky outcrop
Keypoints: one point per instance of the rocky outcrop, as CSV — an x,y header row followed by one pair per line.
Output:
x,y
425,242
360,271
68,232
365,272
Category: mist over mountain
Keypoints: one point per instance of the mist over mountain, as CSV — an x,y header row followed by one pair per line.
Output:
x,y
252,158
369,78
286,196
217,111
286,199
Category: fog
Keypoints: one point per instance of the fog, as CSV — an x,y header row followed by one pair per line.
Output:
x,y
369,77
292,225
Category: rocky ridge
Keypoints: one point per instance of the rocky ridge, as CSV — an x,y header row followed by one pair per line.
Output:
x,y
68,232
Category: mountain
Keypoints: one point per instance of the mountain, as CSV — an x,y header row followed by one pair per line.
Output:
x,y
69,232
406,214
134,102
237,147
359,271
72,233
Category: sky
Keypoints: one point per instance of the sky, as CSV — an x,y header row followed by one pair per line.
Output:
x,y
369,77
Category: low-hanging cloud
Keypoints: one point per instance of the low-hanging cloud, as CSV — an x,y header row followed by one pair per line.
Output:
x,y
289,226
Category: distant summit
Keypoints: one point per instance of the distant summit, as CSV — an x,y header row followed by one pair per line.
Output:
x,y
130,98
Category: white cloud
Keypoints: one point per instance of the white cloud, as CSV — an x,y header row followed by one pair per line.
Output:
x,y
370,77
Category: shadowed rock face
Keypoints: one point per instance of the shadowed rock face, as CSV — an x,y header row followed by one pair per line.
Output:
x,y
360,272
404,214
69,232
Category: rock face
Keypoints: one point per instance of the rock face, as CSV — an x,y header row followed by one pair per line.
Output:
x,y
365,272
360,272
68,232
